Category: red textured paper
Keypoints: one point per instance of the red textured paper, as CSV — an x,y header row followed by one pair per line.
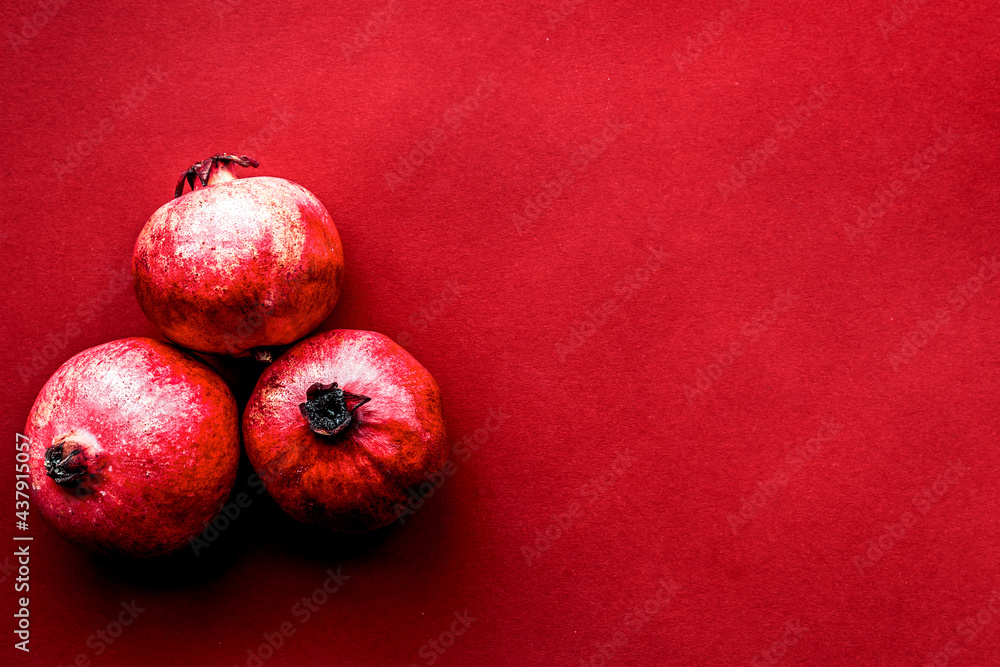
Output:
x,y
709,289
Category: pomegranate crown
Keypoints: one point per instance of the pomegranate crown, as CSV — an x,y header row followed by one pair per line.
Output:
x,y
204,168
330,409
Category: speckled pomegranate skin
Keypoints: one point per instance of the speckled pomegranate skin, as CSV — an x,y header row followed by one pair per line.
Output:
x,y
159,431
349,482
248,263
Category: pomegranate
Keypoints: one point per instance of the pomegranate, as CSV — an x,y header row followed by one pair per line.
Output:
x,y
237,265
341,426
134,446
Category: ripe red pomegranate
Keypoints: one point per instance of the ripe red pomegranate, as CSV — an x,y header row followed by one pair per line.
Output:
x,y
237,265
341,425
134,446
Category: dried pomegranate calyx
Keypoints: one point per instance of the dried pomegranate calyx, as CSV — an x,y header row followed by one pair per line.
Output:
x,y
65,467
220,164
329,409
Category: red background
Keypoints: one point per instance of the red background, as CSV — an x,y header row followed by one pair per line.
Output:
x,y
700,89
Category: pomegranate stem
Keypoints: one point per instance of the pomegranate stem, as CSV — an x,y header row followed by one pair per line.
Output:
x,y
329,409
201,170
